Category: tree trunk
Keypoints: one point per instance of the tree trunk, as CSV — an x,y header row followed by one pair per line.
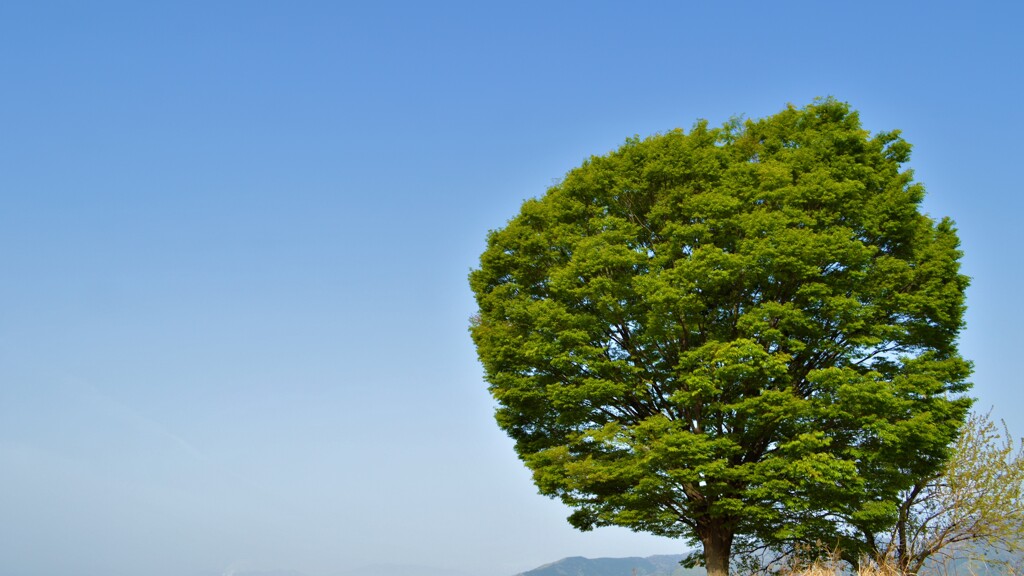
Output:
x,y
717,540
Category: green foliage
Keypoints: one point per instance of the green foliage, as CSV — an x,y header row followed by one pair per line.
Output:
x,y
973,509
969,514
741,331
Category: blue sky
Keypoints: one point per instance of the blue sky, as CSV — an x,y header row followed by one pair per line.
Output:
x,y
235,237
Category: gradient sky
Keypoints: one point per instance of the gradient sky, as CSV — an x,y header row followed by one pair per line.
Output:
x,y
234,240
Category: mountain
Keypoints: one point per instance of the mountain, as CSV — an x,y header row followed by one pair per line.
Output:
x,y
664,565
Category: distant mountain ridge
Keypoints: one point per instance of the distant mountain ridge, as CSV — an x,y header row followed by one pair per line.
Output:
x,y
661,565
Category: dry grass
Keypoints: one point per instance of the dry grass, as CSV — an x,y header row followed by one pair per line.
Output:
x,y
822,560
831,566
828,568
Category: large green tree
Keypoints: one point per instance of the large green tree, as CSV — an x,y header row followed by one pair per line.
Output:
x,y
744,332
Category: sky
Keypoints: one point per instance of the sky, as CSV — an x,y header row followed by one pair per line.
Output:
x,y
235,236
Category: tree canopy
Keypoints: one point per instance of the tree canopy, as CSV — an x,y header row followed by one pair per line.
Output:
x,y
742,332
973,509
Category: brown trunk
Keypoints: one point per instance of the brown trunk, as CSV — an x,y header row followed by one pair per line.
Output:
x,y
717,540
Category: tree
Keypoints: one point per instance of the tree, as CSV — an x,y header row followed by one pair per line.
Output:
x,y
737,332
972,509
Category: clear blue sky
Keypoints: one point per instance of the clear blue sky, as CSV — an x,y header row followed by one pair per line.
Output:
x,y
234,240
